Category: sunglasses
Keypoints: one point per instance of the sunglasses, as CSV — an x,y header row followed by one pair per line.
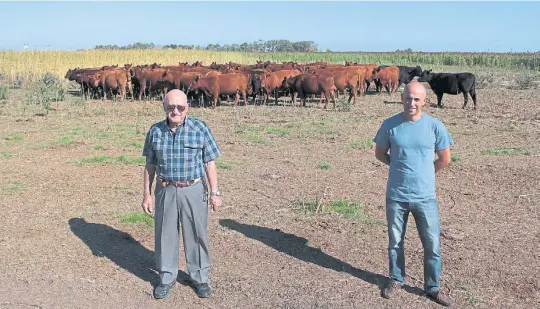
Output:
x,y
180,108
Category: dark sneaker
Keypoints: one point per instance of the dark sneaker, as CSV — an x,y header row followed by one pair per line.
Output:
x,y
439,298
203,290
391,288
162,290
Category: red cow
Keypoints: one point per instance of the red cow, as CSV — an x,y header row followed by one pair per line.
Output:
x,y
224,84
307,83
388,77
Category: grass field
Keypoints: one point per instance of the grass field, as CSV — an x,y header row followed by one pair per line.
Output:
x,y
303,221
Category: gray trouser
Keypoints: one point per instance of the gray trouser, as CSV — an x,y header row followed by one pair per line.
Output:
x,y
188,208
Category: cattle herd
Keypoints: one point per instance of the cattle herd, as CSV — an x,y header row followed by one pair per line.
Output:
x,y
210,83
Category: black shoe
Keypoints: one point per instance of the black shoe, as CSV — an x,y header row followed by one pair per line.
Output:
x,y
202,289
162,290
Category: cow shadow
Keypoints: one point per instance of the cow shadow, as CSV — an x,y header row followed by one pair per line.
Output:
x,y
121,249
297,247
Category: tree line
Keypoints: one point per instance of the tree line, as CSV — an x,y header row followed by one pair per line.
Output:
x,y
256,46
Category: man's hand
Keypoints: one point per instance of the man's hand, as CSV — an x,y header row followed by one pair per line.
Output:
x,y
147,204
215,202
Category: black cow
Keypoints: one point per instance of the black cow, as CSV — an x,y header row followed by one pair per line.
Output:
x,y
407,74
451,83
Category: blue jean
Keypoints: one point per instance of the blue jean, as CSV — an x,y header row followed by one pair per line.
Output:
x,y
426,216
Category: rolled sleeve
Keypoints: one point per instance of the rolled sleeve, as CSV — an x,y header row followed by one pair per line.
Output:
x,y
148,150
211,150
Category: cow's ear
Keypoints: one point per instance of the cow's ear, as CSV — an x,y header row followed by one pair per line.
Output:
x,y
196,78
430,70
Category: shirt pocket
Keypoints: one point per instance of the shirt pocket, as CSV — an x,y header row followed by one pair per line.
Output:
x,y
193,147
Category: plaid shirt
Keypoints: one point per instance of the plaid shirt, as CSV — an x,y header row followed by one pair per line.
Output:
x,y
180,156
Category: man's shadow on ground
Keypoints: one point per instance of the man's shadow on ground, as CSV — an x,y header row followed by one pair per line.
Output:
x,y
121,249
297,247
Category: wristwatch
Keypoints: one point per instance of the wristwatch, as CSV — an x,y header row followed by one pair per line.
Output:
x,y
215,193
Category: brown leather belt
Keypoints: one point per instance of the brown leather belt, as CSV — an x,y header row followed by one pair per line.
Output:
x,y
178,184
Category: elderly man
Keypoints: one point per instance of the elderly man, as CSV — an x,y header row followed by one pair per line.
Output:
x,y
413,138
180,150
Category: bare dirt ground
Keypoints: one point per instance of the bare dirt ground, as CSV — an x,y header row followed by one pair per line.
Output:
x,y
64,243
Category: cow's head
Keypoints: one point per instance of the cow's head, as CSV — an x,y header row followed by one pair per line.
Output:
x,y
426,76
195,85
265,79
68,74
93,80
375,72
256,82
284,84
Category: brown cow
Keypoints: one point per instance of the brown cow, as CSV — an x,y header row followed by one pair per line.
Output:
x,y
272,82
148,78
307,83
224,84
113,80
388,77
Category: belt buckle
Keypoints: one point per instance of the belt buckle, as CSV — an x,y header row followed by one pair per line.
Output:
x,y
179,184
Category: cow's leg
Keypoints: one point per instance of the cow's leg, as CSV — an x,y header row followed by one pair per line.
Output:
x,y
122,93
130,87
465,99
302,97
104,92
142,89
265,97
245,96
473,96
439,100
352,94
236,98
275,96
386,84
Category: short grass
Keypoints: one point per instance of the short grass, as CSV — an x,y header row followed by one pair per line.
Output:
x,y
139,217
14,138
65,141
6,154
14,186
365,144
472,299
278,131
324,165
348,209
224,165
506,151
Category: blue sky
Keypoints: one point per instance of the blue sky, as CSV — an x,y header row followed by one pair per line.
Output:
x,y
342,26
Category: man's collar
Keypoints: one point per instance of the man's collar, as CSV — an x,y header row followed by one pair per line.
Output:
x,y
187,123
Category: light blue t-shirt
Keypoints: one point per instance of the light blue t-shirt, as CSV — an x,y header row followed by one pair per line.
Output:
x,y
411,177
